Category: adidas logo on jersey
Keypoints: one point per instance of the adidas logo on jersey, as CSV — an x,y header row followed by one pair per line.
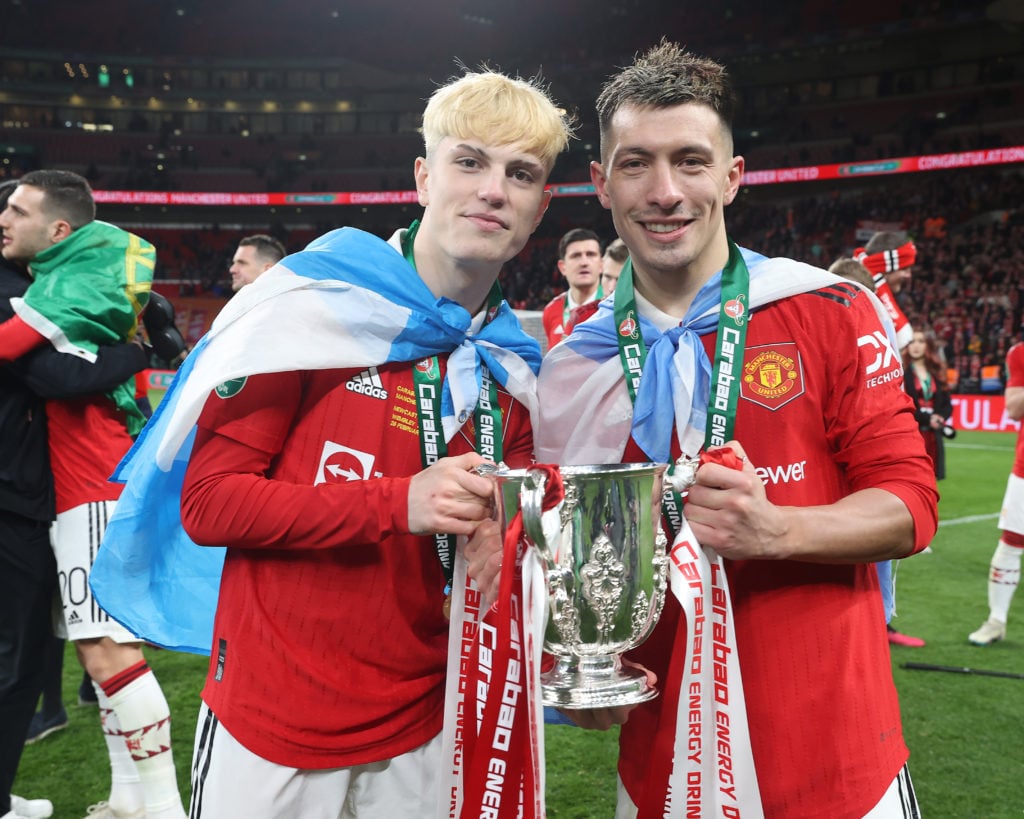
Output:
x,y
368,383
73,618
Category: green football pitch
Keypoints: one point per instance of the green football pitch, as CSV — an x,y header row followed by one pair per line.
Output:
x,y
965,730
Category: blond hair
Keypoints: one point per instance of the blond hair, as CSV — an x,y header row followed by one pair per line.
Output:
x,y
496,109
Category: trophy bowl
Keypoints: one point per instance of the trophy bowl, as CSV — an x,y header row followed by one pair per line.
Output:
x,y
606,574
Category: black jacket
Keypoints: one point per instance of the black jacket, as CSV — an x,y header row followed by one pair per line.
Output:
x,y
26,483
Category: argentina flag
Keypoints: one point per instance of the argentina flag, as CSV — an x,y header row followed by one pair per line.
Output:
x,y
349,300
595,417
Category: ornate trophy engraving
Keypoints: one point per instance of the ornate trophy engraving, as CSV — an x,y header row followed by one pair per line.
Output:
x,y
604,557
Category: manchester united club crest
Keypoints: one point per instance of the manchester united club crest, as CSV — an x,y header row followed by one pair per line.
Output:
x,y
772,374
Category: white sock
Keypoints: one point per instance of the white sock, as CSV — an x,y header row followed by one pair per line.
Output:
x,y
146,727
1004,575
125,787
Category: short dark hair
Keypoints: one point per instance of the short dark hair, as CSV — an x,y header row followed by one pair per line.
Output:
x,y
6,189
66,195
267,247
617,251
665,76
576,235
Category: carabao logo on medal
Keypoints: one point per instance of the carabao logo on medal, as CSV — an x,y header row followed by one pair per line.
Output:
x,y
736,310
426,366
628,328
772,374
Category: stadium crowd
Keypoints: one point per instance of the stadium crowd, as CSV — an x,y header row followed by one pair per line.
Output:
x,y
966,285
967,281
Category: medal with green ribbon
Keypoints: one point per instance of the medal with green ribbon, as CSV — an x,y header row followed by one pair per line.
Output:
x,y
487,420
729,345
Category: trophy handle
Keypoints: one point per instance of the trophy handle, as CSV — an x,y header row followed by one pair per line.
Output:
x,y
531,501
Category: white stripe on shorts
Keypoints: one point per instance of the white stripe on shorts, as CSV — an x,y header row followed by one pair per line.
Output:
x,y
228,780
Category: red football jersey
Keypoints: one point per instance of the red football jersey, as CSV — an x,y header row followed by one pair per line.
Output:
x,y
330,643
1015,378
822,413
553,319
87,441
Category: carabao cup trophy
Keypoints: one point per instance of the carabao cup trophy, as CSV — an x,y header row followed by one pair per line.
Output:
x,y
605,565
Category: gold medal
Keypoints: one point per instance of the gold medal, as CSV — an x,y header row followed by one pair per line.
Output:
x,y
446,607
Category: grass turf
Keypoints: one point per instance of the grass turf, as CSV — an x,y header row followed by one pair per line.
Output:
x,y
964,730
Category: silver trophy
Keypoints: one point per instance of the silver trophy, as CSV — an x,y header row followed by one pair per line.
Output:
x,y
606,570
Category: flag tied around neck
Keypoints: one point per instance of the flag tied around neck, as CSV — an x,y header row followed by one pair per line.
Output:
x,y
349,300
88,290
591,420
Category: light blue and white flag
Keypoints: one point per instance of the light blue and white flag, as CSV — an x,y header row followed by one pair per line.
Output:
x,y
587,416
349,300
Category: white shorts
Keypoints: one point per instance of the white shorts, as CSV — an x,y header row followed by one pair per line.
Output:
x,y
1011,518
898,802
76,536
230,780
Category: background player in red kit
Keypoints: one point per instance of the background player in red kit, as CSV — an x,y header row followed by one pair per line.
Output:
x,y
1004,572
834,474
325,689
579,260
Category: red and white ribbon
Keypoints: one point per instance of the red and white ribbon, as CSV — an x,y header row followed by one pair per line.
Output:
x,y
493,740
702,765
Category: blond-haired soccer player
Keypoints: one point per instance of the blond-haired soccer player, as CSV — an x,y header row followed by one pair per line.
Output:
x,y
339,500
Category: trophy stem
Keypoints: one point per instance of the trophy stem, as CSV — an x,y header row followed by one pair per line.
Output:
x,y
594,682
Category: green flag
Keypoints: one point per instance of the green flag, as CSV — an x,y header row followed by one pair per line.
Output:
x,y
88,290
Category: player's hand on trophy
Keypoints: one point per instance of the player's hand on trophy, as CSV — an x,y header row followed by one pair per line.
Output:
x,y
601,719
449,496
483,558
728,510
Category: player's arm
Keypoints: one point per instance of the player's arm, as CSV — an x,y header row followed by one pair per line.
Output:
x,y
51,374
1014,402
229,498
17,338
891,508
729,511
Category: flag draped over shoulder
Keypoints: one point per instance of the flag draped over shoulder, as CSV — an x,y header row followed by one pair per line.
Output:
x,y
88,290
348,300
